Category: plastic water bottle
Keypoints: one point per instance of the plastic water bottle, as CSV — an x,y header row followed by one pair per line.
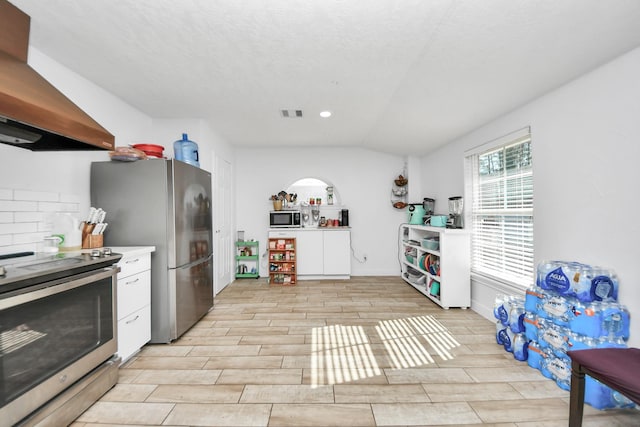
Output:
x,y
516,318
533,296
615,321
520,347
535,355
621,401
509,339
501,333
501,309
186,151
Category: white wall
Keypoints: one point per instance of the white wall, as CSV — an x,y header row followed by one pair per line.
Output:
x,y
586,175
362,178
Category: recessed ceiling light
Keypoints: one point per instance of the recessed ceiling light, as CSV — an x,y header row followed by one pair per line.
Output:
x,y
325,114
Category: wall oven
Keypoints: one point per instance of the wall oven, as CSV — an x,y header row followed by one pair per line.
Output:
x,y
284,219
57,329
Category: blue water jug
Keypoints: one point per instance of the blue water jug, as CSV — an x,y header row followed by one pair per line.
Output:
x,y
186,151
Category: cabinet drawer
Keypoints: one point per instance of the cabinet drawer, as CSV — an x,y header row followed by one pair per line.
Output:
x,y
134,292
134,331
134,264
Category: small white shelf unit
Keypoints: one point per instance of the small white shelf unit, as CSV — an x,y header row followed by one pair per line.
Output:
x,y
442,275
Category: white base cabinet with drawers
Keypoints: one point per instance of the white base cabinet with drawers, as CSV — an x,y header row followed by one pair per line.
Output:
x,y
442,274
321,254
134,299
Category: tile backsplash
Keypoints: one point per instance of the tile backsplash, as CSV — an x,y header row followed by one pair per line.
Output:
x,y
26,217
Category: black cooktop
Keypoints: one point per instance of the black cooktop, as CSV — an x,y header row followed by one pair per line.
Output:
x,y
28,268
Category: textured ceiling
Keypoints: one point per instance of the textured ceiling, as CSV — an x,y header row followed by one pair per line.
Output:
x,y
402,77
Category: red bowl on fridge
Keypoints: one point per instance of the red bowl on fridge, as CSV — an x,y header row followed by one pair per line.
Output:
x,y
151,150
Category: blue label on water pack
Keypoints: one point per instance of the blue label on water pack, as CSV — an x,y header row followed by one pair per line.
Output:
x,y
601,288
503,315
558,281
504,339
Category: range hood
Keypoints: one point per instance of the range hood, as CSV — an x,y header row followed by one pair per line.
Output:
x,y
33,113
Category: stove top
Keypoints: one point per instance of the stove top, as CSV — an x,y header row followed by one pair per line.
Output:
x,y
28,268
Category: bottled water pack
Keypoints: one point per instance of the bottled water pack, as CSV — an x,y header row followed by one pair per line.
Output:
x,y
582,281
593,319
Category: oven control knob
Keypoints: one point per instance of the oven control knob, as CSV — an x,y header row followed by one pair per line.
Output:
x,y
95,253
3,271
106,251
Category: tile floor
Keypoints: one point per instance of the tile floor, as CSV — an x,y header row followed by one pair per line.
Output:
x,y
370,351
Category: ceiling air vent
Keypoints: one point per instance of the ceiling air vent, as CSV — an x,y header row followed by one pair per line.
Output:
x,y
291,114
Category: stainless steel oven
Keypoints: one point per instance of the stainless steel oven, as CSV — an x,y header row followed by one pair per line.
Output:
x,y
54,333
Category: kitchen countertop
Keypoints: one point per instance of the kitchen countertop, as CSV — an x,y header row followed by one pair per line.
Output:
x,y
132,250
310,228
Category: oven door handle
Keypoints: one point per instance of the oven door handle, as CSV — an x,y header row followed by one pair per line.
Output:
x,y
55,289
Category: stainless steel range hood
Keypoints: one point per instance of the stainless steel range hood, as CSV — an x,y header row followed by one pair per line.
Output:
x,y
33,113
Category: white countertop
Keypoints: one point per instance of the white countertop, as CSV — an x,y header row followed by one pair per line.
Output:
x,y
132,250
310,229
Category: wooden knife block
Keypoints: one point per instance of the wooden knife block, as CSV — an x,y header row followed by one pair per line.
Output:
x,y
91,241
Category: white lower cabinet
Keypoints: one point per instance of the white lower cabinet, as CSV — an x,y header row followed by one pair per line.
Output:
x,y
337,253
310,252
134,299
321,254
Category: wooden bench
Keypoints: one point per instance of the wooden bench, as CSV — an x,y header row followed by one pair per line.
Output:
x,y
617,368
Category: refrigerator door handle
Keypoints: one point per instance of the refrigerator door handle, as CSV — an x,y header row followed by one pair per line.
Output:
x,y
196,262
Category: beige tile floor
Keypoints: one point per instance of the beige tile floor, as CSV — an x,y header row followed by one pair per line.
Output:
x,y
370,351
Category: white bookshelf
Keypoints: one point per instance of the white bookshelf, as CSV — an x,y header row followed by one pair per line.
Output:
x,y
452,257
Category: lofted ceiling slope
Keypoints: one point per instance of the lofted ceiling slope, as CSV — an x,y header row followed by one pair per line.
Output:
x,y
402,77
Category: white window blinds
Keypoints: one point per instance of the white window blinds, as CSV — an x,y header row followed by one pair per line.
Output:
x,y
499,178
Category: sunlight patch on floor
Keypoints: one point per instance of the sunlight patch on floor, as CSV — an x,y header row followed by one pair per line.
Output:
x,y
342,354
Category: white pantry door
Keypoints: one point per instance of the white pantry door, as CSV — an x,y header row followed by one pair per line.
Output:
x,y
222,224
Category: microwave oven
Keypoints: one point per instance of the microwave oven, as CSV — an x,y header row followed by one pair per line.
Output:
x,y
284,219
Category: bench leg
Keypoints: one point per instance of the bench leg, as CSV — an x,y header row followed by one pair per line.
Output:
x,y
576,396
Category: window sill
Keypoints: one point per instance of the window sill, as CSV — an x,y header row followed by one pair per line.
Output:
x,y
499,285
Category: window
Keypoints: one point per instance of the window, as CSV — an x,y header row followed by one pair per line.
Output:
x,y
499,178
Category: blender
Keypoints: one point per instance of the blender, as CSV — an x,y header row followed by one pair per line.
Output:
x,y
455,212
429,206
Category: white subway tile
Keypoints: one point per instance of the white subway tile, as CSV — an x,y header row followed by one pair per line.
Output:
x,y
29,216
6,217
39,196
6,194
70,198
50,207
45,227
70,208
25,227
23,238
5,240
13,206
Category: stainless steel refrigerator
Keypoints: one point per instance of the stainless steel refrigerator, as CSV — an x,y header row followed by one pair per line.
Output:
x,y
167,204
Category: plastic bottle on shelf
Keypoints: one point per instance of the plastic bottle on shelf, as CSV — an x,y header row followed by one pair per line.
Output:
x,y
186,151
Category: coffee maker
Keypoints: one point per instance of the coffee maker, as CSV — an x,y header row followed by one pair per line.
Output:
x,y
455,212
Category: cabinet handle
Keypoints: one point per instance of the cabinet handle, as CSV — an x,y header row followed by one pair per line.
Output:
x,y
132,320
133,281
131,261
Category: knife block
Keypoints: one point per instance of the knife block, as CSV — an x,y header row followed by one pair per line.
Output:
x,y
91,241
